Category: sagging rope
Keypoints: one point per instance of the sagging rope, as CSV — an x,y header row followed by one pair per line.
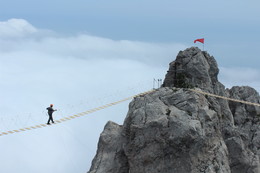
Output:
x,y
225,98
115,103
74,116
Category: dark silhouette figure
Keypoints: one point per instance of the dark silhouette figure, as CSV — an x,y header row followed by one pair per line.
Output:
x,y
50,111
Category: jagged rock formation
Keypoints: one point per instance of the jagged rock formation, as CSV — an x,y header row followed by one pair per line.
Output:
x,y
175,130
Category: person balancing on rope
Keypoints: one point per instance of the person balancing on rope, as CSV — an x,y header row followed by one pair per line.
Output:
x,y
50,111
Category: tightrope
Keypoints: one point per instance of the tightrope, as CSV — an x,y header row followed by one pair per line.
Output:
x,y
225,98
115,103
74,116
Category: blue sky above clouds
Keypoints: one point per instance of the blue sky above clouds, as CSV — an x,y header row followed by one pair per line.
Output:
x,y
82,54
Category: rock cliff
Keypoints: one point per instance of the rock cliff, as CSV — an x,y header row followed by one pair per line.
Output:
x,y
175,130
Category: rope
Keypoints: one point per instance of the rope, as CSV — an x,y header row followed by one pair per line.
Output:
x,y
225,98
16,119
74,116
115,103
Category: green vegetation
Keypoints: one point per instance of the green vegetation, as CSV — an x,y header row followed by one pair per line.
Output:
x,y
181,81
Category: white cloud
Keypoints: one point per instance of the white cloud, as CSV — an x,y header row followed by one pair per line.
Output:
x,y
16,28
74,73
92,47
17,35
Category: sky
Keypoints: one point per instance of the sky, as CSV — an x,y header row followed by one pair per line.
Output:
x,y
83,54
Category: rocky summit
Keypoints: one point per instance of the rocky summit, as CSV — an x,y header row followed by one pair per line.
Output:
x,y
176,130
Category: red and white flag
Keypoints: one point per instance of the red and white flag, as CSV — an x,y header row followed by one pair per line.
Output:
x,y
199,40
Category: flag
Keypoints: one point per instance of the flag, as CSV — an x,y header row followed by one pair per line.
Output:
x,y
199,40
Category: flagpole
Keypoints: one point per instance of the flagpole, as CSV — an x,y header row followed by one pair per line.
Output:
x,y
201,40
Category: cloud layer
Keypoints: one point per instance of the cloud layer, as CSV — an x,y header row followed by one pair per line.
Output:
x,y
19,36
39,65
16,28
75,73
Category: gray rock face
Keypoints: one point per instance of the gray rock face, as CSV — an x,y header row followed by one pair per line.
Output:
x,y
175,130
193,68
110,157
245,146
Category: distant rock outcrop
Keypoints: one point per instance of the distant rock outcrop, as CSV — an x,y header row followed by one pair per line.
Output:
x,y
175,130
